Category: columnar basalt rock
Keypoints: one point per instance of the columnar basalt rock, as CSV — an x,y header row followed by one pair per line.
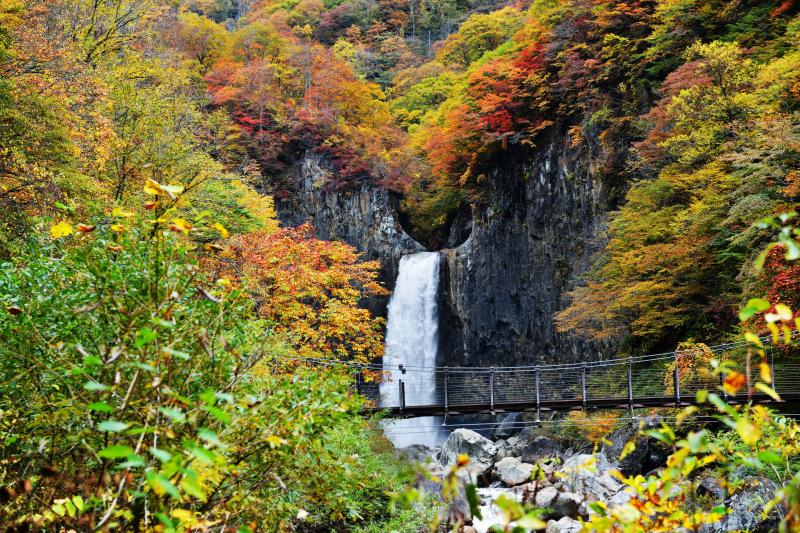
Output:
x,y
532,238
363,215
508,265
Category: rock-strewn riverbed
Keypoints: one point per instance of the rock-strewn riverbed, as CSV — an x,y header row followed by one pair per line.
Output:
x,y
541,471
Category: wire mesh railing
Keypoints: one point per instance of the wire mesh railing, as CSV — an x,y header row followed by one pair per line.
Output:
x,y
669,379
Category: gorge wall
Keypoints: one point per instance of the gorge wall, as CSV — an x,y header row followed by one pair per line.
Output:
x,y
532,238
364,216
508,264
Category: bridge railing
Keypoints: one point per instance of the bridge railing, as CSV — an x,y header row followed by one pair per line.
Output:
x,y
612,382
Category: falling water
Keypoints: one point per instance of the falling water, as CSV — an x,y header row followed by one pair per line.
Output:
x,y
412,340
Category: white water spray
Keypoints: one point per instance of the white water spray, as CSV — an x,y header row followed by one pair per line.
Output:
x,y
412,340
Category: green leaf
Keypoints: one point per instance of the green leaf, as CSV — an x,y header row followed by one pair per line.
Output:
x,y
771,457
769,391
210,437
696,441
161,455
94,386
721,405
219,414
112,426
753,307
165,520
79,503
206,456
530,522
176,353
115,452
474,501
758,264
157,480
92,360
133,461
175,414
598,507
102,407
144,337
792,248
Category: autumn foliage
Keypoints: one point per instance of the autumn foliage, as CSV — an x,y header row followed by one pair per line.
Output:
x,y
309,290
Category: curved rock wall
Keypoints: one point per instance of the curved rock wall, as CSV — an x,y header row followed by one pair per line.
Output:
x,y
364,216
528,243
531,240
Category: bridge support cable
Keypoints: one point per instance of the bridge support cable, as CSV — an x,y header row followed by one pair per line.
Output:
x,y
722,385
630,387
538,398
402,386
676,383
446,394
772,368
583,385
491,390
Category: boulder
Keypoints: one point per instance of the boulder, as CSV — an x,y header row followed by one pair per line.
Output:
x,y
502,449
481,450
620,498
560,503
540,448
564,525
514,446
588,475
511,471
744,509
416,453
637,460
710,485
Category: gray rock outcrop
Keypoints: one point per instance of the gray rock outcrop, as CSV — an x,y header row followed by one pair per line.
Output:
x,y
533,233
564,525
745,509
363,215
511,471
481,450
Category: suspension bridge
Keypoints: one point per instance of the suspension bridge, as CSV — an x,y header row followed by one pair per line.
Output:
x,y
659,380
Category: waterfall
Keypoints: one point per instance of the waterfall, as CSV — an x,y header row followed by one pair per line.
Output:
x,y
412,340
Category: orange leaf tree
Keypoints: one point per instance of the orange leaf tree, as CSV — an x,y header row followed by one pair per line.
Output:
x,y
309,289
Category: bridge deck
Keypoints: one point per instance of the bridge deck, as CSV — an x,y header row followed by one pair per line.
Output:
x,y
662,380
563,405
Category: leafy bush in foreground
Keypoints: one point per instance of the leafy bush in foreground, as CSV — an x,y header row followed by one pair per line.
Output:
x,y
138,393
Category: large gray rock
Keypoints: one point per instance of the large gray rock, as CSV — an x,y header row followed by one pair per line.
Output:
x,y
745,507
540,448
559,502
481,450
564,525
588,475
416,453
363,215
637,460
511,471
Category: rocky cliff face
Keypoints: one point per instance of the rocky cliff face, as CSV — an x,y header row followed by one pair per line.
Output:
x,y
509,262
364,216
531,240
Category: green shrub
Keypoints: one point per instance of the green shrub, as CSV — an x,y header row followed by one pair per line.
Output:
x,y
136,392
